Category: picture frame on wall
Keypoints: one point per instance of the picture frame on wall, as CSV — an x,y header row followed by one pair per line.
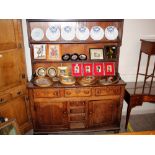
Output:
x,y
39,51
109,68
54,52
87,69
98,69
77,69
96,53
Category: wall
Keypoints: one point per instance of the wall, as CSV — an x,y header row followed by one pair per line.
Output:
x,y
133,31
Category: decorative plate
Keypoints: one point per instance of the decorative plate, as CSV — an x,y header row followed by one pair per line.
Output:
x,y
37,34
41,72
96,33
51,71
86,81
82,33
53,33
42,82
68,32
111,33
67,80
109,80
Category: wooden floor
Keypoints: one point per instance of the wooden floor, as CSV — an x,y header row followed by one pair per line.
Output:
x,y
138,124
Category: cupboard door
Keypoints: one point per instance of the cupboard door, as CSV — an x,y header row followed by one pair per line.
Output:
x,y
51,115
6,111
102,112
18,109
9,70
12,59
21,113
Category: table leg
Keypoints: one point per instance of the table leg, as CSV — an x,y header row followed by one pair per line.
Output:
x,y
128,115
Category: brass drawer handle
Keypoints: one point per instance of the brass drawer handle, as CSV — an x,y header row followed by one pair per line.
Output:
x,y
65,112
90,113
68,93
55,93
86,91
77,91
98,92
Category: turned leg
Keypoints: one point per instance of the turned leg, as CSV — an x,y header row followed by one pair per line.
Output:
x,y
128,115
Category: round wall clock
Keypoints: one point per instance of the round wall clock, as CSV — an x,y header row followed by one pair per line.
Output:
x,y
82,57
66,57
74,57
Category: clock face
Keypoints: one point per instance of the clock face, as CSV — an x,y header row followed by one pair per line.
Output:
x,y
82,57
51,72
74,57
66,57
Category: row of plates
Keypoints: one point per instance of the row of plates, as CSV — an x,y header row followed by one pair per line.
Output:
x,y
68,33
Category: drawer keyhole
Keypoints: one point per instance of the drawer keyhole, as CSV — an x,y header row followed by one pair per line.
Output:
x,y
18,93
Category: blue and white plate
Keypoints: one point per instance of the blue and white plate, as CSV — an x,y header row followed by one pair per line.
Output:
x,y
37,34
111,33
97,33
82,33
68,32
53,33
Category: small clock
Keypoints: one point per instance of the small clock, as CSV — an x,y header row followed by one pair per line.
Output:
x,y
82,57
74,57
66,57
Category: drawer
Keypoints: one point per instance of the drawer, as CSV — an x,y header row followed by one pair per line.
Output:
x,y
108,90
4,98
77,92
51,93
77,110
77,117
77,104
79,125
136,100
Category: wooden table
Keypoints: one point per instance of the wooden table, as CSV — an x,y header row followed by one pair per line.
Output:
x,y
135,97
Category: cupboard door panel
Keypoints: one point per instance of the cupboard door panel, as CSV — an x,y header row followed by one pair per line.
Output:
x,y
6,111
8,34
102,112
51,115
20,110
9,69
